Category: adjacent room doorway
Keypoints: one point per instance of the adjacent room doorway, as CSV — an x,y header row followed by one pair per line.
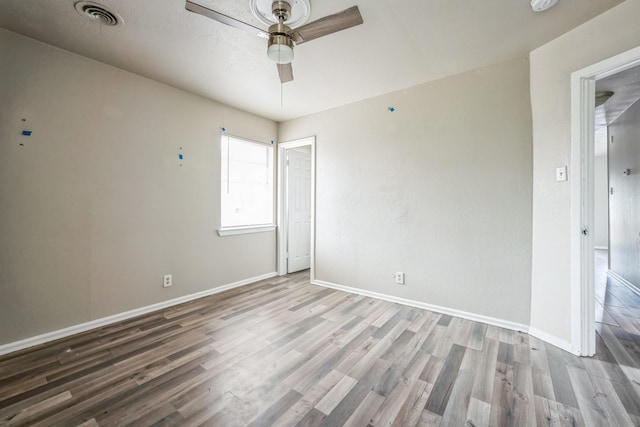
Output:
x,y
296,205
583,93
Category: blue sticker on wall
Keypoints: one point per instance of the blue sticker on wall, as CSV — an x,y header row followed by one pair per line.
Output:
x,y
26,132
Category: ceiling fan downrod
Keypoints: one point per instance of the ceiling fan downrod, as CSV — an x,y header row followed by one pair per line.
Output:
x,y
281,10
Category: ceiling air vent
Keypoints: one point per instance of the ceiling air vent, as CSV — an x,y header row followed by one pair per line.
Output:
x,y
97,13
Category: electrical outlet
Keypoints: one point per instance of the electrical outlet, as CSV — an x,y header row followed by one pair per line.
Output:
x,y
399,278
168,280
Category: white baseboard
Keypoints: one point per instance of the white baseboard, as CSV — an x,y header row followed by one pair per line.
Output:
x,y
623,281
444,310
544,336
553,340
83,327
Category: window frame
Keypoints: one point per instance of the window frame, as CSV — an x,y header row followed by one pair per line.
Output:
x,y
251,228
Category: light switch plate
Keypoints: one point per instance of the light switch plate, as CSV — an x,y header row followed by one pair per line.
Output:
x,y
561,174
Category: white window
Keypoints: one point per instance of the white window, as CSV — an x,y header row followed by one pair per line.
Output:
x,y
247,184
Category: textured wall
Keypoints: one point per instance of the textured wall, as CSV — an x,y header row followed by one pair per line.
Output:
x,y
94,207
439,189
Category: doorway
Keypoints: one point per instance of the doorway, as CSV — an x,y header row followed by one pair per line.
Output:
x,y
296,206
617,120
583,92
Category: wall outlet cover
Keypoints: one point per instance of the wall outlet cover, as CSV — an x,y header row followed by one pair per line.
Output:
x,y
168,280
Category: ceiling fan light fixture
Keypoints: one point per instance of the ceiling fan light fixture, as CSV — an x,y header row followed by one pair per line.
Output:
x,y
280,53
542,5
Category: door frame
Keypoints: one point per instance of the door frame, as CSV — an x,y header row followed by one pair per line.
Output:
x,y
282,203
583,87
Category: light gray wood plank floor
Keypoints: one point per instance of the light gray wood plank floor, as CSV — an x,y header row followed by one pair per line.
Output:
x,y
284,352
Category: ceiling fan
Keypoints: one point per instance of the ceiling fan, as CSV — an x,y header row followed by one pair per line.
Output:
x,y
282,38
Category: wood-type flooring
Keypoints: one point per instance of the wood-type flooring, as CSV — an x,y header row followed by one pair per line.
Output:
x,y
284,352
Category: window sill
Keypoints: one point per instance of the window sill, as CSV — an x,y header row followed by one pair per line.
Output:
x,y
232,231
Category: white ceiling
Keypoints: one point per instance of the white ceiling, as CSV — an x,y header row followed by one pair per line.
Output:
x,y
625,86
401,44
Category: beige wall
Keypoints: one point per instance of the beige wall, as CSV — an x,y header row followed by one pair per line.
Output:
x,y
611,33
94,208
439,189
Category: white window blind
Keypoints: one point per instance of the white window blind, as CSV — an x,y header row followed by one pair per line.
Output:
x,y
247,183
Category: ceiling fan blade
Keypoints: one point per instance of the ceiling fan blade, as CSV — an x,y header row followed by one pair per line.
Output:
x,y
286,72
328,25
201,10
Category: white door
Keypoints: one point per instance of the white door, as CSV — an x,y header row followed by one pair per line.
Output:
x,y
299,209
